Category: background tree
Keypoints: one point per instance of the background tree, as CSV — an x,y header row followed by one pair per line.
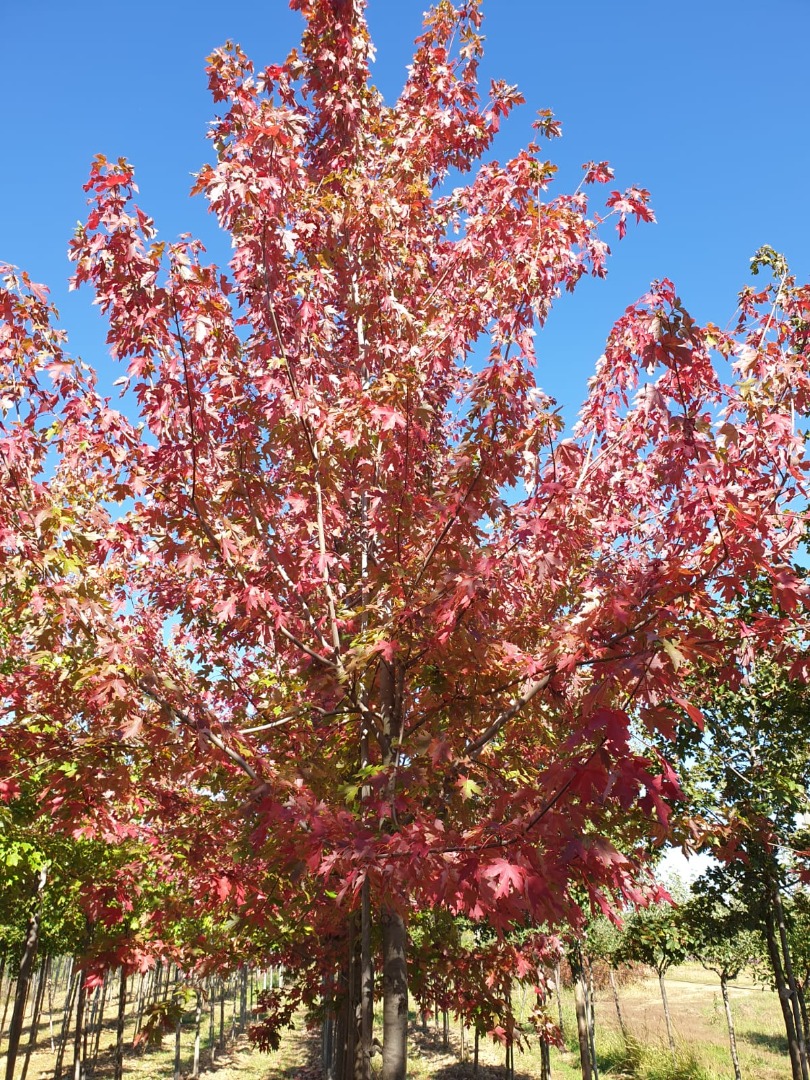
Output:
x,y
747,782
656,936
721,939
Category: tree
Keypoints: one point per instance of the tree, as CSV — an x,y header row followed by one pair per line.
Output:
x,y
345,589
656,936
721,940
748,788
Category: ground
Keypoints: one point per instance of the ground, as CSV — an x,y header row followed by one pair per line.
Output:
x,y
695,1001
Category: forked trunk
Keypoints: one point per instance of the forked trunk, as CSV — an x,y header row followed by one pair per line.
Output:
x,y
395,996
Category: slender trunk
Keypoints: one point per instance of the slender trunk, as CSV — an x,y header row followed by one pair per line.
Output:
x,y
395,996
545,1061
98,1020
783,993
328,1045
195,1067
615,990
582,1024
10,985
791,979
365,1018
23,979
73,986
445,1029
475,1052
590,1007
178,1027
78,1037
803,1008
50,1001
142,991
221,1015
667,1015
348,996
211,1015
243,998
119,1027
732,1038
366,1011
557,981
32,1038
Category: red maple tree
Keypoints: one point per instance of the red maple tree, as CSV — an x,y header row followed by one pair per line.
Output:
x,y
346,584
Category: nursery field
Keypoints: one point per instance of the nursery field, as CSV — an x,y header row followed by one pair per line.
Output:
x,y
695,1003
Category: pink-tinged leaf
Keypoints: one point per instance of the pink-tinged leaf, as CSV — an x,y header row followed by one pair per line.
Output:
x,y
694,714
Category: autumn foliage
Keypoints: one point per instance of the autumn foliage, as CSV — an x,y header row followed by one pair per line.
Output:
x,y
335,601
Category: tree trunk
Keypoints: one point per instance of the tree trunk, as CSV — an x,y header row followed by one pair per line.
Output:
x,y
50,1002
23,979
395,996
98,1020
195,1067
783,993
178,1027
590,1007
732,1038
545,1061
445,1029
6,1005
800,986
582,1025
119,1027
78,1038
141,994
72,989
614,988
243,999
365,1033
557,981
32,1038
475,1052
667,1015
791,979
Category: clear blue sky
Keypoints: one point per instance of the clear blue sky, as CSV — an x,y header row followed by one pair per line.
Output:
x,y
704,102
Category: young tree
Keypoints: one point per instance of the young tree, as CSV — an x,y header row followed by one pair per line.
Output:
x,y
720,939
748,785
656,936
346,589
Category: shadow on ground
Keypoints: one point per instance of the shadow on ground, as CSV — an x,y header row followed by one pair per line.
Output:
x,y
777,1044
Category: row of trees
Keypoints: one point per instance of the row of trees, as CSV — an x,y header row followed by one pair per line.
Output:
x,y
90,1028
332,628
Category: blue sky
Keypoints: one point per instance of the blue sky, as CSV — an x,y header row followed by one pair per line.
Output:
x,y
704,103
